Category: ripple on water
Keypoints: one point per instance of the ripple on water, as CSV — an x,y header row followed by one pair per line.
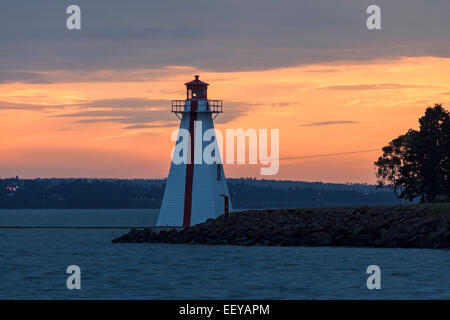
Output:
x,y
33,266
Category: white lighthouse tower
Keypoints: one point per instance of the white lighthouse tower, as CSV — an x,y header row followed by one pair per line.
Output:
x,y
195,191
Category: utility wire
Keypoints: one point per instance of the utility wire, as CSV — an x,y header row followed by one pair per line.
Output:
x,y
329,154
321,155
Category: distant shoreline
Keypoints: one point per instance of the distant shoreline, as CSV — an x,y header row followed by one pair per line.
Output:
x,y
412,226
16,193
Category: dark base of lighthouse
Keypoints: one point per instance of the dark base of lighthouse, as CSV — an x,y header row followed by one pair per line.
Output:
x,y
391,227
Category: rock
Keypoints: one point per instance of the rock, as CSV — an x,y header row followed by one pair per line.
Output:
x,y
248,242
379,243
396,226
321,238
427,228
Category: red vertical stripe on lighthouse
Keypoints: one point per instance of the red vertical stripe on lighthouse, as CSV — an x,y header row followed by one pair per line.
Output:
x,y
190,168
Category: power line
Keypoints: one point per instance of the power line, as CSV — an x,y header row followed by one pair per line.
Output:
x,y
322,155
329,154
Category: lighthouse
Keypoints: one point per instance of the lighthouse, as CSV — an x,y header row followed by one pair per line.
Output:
x,y
195,190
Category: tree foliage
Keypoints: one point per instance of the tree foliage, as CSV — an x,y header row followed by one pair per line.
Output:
x,y
416,164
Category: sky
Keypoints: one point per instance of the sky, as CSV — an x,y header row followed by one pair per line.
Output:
x,y
95,102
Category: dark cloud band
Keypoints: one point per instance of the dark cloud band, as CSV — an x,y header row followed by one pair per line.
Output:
x,y
230,35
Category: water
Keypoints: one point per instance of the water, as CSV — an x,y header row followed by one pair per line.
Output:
x,y
33,265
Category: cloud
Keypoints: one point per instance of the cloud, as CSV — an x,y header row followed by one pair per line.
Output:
x,y
232,35
376,86
24,77
119,116
328,123
147,126
6,105
124,110
143,112
320,70
274,104
124,103
128,103
94,75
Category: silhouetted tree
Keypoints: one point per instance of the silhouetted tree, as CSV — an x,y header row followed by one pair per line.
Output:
x,y
417,164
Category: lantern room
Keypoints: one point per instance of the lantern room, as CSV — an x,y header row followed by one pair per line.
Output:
x,y
197,89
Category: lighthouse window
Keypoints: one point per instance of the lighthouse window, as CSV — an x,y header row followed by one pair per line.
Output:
x,y
194,94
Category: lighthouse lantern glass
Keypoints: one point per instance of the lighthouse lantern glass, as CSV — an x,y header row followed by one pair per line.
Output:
x,y
196,92
197,89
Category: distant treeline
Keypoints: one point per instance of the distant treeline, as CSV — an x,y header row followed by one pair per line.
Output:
x,y
77,194
18,193
251,195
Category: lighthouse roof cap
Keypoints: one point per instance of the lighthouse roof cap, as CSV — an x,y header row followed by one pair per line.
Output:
x,y
196,82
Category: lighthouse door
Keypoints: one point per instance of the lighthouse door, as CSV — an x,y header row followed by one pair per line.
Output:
x,y
226,207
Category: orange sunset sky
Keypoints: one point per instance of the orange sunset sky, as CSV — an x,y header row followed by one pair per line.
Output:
x,y
98,120
318,108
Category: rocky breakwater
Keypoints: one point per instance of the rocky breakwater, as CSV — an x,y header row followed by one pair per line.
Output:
x,y
391,227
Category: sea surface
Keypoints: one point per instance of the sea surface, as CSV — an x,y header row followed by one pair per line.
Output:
x,y
33,265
